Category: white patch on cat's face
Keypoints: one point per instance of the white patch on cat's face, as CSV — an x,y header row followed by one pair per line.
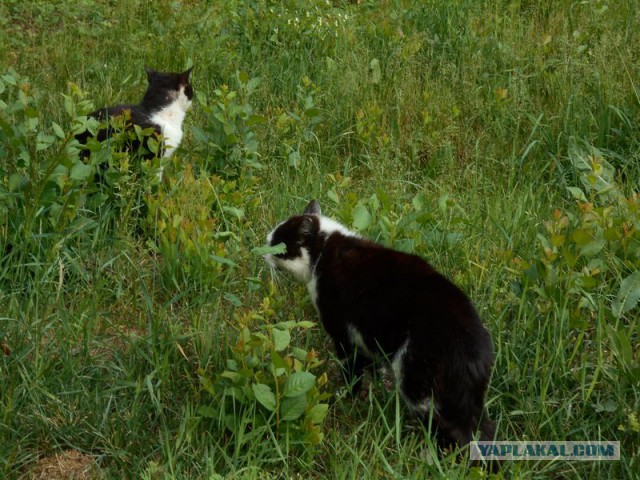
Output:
x,y
183,100
170,120
299,267
329,226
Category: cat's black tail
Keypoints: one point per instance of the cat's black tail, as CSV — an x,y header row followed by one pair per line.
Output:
x,y
461,415
487,430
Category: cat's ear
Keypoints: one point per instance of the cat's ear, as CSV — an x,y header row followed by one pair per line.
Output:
x,y
312,209
184,76
150,73
305,229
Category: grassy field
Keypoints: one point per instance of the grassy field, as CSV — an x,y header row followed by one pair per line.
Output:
x,y
143,336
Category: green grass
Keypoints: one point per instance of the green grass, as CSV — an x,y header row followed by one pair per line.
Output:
x,y
457,125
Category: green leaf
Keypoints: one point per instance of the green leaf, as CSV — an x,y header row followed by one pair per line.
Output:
x,y
57,129
68,105
444,203
223,260
312,112
305,324
233,299
593,248
238,393
292,408
454,237
255,120
299,353
152,145
17,181
294,158
207,412
252,84
314,435
419,202
233,376
81,171
318,413
264,395
236,212
299,383
225,235
138,130
581,236
620,345
279,364
608,406
361,217
286,325
577,193
281,339
376,72
10,79
333,196
628,295
43,141
273,250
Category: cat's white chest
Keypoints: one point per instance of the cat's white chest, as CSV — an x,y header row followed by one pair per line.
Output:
x,y
170,119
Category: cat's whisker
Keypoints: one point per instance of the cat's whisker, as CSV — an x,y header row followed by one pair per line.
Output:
x,y
275,274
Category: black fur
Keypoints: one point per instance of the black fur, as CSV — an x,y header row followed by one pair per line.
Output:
x,y
395,301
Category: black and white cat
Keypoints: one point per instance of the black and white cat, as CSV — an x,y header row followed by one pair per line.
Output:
x,y
163,108
375,302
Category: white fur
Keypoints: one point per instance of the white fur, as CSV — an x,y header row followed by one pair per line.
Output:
x,y
312,286
170,120
356,338
396,362
326,226
302,269
421,407
329,226
270,236
299,267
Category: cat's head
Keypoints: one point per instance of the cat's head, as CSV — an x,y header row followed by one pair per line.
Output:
x,y
166,88
303,236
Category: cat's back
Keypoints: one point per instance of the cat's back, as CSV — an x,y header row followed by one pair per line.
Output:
x,y
370,273
136,114
363,258
133,113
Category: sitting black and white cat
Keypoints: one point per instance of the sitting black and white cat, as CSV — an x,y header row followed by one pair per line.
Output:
x,y
375,302
163,108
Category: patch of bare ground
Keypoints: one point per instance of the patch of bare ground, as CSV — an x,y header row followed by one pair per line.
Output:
x,y
66,465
